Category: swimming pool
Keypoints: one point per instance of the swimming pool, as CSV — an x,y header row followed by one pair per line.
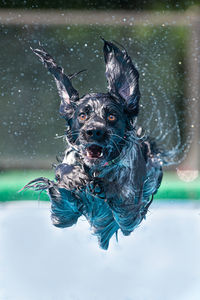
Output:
x,y
160,260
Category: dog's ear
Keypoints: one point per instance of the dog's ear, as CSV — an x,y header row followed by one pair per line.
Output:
x,y
66,91
122,77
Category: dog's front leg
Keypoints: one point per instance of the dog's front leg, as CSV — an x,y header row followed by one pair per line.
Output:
x,y
65,206
126,212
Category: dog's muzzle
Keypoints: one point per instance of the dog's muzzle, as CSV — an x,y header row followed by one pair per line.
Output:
x,y
95,140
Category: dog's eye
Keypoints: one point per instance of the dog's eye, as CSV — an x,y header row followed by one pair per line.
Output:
x,y
82,117
111,118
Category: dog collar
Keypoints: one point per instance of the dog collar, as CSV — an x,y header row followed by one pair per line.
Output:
x,y
112,162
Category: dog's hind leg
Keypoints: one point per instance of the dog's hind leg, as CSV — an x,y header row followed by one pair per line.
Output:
x,y
104,234
102,222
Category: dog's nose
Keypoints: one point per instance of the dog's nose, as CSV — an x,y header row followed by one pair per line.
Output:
x,y
97,134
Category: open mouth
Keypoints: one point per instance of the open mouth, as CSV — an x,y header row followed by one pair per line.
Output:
x,y
94,151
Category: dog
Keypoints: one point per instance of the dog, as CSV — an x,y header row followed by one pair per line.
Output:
x,y
110,170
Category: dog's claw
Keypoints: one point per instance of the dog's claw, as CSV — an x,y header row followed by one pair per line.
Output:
x,y
96,189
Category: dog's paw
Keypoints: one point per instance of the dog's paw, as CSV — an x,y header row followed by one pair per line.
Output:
x,y
71,177
96,188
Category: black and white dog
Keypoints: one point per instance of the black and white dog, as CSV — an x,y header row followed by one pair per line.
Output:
x,y
110,171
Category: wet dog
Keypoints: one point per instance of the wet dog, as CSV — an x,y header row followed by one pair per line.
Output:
x,y
110,170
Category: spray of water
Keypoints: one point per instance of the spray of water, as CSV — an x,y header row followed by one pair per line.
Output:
x,y
171,126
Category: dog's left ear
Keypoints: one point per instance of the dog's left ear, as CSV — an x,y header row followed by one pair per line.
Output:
x,y
66,91
122,77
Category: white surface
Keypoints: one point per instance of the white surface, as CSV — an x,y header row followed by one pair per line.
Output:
x,y
159,261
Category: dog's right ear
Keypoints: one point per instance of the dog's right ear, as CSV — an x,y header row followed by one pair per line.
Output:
x,y
122,77
66,91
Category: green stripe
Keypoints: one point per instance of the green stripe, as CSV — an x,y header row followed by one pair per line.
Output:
x,y
173,187
12,181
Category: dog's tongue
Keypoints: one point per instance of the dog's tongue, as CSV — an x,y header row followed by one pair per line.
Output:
x,y
94,151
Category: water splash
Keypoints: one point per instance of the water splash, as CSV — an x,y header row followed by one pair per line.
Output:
x,y
159,53
171,126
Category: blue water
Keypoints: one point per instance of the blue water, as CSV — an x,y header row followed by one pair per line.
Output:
x,y
159,261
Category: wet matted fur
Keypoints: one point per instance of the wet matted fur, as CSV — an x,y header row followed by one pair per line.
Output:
x,y
110,170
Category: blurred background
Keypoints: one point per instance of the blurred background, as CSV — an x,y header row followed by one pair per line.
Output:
x,y
163,39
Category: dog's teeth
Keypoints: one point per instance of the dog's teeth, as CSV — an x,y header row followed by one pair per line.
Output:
x,y
94,151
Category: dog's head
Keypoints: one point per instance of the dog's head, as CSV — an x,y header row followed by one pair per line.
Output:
x,y
98,128
97,123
